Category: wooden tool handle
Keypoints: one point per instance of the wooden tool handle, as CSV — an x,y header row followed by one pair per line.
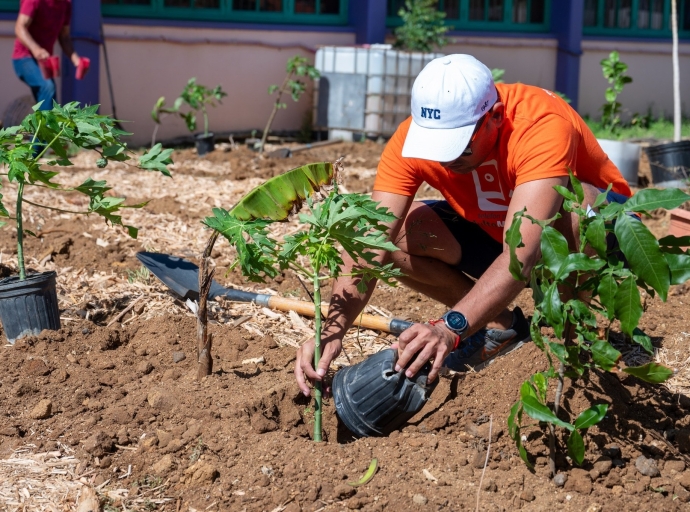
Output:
x,y
307,309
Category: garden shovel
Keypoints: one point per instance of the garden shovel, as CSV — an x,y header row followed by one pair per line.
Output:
x,y
287,152
182,277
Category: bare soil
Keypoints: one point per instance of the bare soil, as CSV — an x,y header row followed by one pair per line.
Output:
x,y
240,439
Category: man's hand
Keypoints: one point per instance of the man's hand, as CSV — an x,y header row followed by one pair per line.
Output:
x,y
304,369
426,342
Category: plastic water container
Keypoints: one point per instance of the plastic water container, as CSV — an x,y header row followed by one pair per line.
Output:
x,y
387,76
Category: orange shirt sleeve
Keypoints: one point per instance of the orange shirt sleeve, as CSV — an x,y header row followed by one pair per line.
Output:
x,y
396,174
548,148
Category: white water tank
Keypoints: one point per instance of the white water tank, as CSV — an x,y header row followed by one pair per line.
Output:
x,y
365,89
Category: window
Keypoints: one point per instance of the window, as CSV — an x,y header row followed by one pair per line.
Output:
x,y
492,15
9,6
635,18
307,12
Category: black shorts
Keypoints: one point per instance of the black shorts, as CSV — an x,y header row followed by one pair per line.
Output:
x,y
479,250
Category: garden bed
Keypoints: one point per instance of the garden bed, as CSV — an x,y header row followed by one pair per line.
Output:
x,y
112,401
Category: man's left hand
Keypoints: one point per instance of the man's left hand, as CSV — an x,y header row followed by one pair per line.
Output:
x,y
421,343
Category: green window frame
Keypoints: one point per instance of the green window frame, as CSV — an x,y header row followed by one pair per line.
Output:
x,y
303,12
487,15
635,18
9,5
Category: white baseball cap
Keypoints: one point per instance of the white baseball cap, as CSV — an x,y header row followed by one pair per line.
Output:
x,y
449,96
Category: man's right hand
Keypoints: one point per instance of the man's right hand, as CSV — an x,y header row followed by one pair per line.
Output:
x,y
304,369
40,54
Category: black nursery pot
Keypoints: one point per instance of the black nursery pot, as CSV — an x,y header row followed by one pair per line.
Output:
x,y
670,164
372,399
204,143
30,306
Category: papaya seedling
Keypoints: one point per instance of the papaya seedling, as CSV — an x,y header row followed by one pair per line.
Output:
x,y
351,221
195,97
296,66
614,71
602,286
22,148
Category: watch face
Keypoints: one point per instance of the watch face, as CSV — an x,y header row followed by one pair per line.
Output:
x,y
456,321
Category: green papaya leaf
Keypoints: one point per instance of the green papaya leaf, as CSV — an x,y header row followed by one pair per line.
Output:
x,y
527,390
576,447
650,372
649,199
604,355
628,305
554,249
577,187
276,198
591,416
642,251
540,412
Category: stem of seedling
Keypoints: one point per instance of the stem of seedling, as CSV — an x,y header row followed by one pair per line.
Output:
x,y
274,112
203,109
317,357
20,233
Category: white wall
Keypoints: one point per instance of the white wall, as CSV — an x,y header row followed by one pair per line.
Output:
x,y
149,62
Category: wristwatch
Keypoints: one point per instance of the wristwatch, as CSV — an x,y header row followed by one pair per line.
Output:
x,y
456,323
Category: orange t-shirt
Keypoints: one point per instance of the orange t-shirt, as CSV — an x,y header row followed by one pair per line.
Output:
x,y
542,137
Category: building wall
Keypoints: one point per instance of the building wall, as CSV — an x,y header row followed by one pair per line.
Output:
x,y
650,67
149,62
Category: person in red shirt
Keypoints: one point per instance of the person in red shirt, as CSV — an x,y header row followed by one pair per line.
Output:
x,y
39,25
491,150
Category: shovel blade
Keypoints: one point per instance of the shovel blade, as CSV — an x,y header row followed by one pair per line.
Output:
x,y
279,153
178,274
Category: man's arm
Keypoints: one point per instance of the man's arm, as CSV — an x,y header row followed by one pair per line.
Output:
x,y
346,302
496,288
66,44
21,30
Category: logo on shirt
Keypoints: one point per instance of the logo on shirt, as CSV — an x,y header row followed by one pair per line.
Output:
x,y
431,113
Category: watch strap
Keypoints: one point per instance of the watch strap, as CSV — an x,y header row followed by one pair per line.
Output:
x,y
458,339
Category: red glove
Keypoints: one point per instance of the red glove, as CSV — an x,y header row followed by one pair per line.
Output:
x,y
50,67
83,67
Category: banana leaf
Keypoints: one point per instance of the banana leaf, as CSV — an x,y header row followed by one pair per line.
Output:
x,y
278,197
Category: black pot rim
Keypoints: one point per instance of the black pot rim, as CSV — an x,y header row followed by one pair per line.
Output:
x,y
33,276
201,136
669,145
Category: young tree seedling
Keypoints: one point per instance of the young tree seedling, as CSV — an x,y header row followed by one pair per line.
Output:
x,y
22,148
602,287
296,66
352,222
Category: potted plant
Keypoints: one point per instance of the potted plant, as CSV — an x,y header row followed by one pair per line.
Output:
x,y
28,301
196,97
625,155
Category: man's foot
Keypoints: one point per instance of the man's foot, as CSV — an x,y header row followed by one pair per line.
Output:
x,y
485,345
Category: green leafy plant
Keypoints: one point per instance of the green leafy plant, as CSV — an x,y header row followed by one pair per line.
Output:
x,y
195,97
423,26
352,222
22,148
614,72
297,66
601,289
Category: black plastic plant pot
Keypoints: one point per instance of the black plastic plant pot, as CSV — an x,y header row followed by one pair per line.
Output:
x,y
204,143
30,306
372,399
670,164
